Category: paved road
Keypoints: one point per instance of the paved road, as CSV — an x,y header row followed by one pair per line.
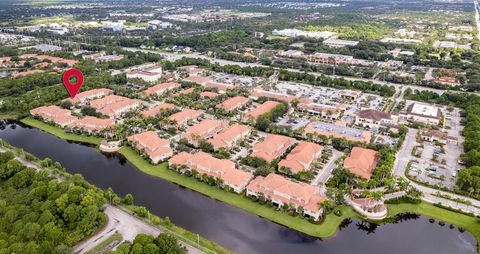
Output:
x,y
173,57
323,176
125,224
404,156
118,221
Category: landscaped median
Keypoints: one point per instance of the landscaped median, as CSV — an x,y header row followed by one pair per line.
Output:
x,y
469,223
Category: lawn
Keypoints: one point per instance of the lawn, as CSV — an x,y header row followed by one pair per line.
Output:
x,y
59,132
101,246
328,228
469,223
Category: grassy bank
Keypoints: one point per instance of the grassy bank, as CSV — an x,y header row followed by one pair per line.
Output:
x,y
469,223
328,228
59,132
110,240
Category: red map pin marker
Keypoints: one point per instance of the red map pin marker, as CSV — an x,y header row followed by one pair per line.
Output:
x,y
73,89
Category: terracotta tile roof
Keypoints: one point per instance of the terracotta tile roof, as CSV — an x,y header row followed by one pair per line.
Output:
x,y
182,117
301,157
26,73
272,147
156,147
161,88
90,94
119,107
208,94
204,130
220,86
157,109
227,138
55,114
361,162
107,100
92,124
186,91
53,59
205,163
198,79
373,114
278,188
233,103
259,92
260,110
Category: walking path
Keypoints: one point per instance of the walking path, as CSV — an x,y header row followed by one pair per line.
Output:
x,y
119,221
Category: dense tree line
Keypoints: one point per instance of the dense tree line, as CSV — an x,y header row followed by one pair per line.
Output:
x,y
40,214
147,244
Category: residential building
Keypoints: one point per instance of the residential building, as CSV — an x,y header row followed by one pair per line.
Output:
x,y
230,136
266,107
332,130
26,73
451,81
107,100
281,191
361,162
153,111
223,169
161,88
54,114
181,118
272,147
301,157
90,124
117,109
234,103
204,130
220,87
156,148
208,94
83,97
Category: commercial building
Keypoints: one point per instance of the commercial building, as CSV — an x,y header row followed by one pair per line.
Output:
x,y
337,43
298,33
151,73
373,119
422,113
337,131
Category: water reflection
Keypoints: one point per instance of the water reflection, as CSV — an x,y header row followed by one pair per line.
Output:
x,y
234,228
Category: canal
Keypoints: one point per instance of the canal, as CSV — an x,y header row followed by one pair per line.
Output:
x,y
231,227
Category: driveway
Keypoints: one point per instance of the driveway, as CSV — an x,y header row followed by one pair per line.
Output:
x,y
325,173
